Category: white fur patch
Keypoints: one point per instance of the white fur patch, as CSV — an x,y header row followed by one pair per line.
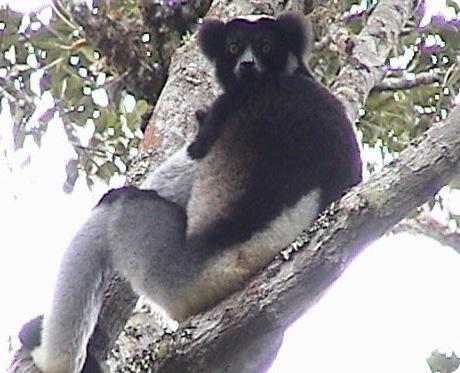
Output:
x,y
255,17
221,178
292,64
248,55
226,272
54,362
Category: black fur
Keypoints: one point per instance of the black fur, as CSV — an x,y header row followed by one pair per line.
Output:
x,y
211,41
286,34
298,34
30,333
294,134
131,192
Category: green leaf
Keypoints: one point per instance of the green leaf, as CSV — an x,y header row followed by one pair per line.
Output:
x,y
107,170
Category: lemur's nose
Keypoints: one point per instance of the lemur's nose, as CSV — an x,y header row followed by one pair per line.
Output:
x,y
247,64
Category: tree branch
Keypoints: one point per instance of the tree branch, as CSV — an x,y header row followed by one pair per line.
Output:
x,y
369,52
426,225
396,84
286,289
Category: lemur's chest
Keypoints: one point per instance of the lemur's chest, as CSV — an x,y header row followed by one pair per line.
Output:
x,y
221,178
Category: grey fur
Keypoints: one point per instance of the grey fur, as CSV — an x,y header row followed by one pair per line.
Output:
x,y
77,299
119,236
173,179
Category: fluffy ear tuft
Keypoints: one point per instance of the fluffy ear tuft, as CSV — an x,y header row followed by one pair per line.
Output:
x,y
211,38
297,31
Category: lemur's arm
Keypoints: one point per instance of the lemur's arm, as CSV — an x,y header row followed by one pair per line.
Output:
x,y
209,129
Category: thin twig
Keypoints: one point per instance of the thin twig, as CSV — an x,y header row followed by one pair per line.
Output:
x,y
408,82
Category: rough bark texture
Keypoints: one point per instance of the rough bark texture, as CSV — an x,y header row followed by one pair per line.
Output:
x,y
369,51
119,296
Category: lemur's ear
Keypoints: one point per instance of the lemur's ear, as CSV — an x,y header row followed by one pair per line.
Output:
x,y
297,31
212,38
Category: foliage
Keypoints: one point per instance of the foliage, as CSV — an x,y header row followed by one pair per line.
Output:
x,y
45,58
46,62
392,119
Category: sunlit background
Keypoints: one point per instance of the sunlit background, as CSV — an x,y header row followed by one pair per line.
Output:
x,y
396,303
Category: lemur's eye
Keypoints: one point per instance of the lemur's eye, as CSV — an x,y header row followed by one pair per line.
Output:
x,y
233,49
266,47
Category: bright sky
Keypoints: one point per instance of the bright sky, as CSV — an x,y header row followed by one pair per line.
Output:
x,y
25,5
394,305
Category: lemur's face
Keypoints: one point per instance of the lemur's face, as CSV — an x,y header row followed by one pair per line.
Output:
x,y
242,50
253,48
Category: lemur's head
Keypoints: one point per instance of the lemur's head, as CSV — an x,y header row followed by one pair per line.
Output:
x,y
243,48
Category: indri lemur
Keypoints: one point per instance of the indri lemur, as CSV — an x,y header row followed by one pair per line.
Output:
x,y
272,151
